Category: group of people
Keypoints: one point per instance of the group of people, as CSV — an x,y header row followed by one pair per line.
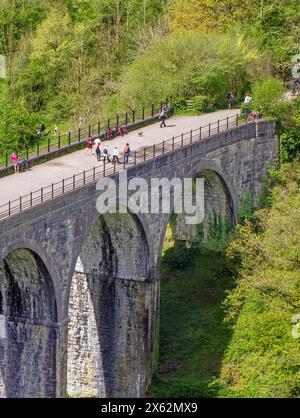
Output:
x,y
104,152
119,130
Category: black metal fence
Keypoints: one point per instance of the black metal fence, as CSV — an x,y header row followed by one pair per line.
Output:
x,y
51,143
141,156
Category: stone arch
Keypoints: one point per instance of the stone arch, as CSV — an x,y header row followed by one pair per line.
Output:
x,y
218,210
109,310
213,170
28,326
220,199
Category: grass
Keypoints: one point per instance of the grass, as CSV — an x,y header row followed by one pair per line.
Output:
x,y
193,336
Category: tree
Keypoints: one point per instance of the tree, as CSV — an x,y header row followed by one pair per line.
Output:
x,y
268,98
204,15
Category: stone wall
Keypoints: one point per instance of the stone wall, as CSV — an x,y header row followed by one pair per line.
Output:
x,y
28,338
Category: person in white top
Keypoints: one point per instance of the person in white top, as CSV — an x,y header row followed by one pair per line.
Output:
x,y
115,155
97,141
248,99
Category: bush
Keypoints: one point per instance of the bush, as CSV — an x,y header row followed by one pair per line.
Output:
x,y
214,84
179,104
59,108
268,98
179,256
189,65
201,103
290,145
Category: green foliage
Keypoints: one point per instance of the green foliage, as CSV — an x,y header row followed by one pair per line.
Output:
x,y
89,57
262,358
274,25
273,177
289,145
268,98
179,256
290,135
64,56
193,335
201,103
16,122
187,65
214,84
179,104
247,208
18,17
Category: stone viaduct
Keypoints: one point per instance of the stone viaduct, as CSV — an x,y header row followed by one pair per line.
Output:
x,y
79,292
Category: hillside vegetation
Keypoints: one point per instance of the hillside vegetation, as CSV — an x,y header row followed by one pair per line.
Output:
x,y
229,318
93,58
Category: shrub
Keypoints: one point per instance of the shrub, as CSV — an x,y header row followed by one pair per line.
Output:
x,y
290,145
179,104
201,103
268,98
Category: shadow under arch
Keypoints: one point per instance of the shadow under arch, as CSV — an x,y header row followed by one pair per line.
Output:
x,y
227,187
28,329
108,315
220,201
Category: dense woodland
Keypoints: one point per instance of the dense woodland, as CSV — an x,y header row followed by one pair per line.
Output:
x,y
226,325
93,58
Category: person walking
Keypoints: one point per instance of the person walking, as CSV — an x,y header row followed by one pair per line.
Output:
x,y
230,100
96,142
89,146
106,153
126,153
115,156
56,130
15,160
98,151
163,116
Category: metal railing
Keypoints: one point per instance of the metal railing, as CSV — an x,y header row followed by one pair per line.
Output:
x,y
137,157
52,143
